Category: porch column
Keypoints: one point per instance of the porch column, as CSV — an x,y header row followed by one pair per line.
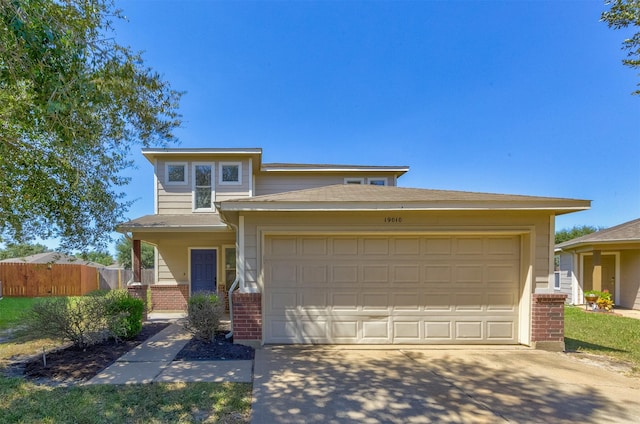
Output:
x,y
597,270
137,262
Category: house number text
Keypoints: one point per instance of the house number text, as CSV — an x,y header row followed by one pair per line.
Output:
x,y
393,220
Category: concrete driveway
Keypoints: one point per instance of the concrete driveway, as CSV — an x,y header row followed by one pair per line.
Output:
x,y
380,385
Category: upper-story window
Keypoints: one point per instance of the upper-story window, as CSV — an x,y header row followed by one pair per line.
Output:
x,y
378,181
230,173
354,180
176,173
203,193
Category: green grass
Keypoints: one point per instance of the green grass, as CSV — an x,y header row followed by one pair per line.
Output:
x,y
11,310
24,402
603,334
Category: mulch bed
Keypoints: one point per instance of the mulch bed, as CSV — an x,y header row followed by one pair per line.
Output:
x,y
221,349
73,365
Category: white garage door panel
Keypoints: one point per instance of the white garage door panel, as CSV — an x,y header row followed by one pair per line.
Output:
x,y
391,289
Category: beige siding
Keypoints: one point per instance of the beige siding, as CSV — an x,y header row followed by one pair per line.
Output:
x,y
268,183
178,199
630,279
567,277
173,252
536,222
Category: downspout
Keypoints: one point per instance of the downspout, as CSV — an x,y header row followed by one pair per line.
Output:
x,y
239,270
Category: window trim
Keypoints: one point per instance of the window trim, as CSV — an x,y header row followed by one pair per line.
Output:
x,y
166,173
383,179
193,187
354,180
221,165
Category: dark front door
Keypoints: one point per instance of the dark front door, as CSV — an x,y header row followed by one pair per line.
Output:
x,y
203,270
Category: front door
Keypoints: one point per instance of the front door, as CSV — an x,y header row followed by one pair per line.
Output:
x,y
203,270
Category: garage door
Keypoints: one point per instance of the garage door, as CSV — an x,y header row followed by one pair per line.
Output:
x,y
382,290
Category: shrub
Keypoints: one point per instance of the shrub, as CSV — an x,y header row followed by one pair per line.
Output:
x,y
86,320
123,314
79,320
204,310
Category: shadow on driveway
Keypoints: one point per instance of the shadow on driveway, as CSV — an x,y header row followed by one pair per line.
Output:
x,y
339,385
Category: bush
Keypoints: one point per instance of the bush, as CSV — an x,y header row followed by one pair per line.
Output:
x,y
204,310
86,320
123,314
79,320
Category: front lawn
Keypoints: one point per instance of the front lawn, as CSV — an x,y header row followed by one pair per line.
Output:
x,y
603,334
12,308
25,402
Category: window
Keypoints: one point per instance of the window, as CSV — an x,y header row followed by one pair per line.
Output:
x,y
176,173
230,173
556,281
378,181
202,186
354,180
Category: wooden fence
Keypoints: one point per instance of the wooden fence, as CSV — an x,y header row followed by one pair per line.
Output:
x,y
34,280
115,278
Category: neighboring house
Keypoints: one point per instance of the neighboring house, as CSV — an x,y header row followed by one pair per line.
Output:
x,y
51,258
340,254
607,259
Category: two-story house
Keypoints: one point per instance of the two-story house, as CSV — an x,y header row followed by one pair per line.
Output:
x,y
341,254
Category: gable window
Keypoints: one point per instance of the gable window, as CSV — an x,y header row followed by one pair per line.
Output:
x,y
354,180
378,181
176,173
203,187
230,173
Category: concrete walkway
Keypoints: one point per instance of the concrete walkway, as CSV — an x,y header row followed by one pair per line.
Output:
x,y
153,361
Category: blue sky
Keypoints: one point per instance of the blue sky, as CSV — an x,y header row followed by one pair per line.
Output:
x,y
492,96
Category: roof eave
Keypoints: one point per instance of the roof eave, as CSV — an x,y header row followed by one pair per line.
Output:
x,y
389,169
152,153
240,206
171,228
596,243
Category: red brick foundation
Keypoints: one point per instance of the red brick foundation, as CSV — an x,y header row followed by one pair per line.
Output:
x,y
547,321
169,298
247,318
140,292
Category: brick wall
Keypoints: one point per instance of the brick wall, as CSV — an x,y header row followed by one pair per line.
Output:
x,y
547,321
247,318
140,292
169,298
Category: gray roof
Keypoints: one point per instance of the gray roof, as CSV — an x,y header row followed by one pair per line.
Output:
x,y
371,197
51,258
184,222
623,233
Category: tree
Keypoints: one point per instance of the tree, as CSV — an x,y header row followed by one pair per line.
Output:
x,y
73,103
22,250
123,253
622,14
575,232
99,257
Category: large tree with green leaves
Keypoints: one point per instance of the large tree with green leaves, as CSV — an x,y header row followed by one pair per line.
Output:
x,y
574,232
624,14
73,103
22,250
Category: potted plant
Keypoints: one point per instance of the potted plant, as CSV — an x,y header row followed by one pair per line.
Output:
x,y
591,296
599,300
604,301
